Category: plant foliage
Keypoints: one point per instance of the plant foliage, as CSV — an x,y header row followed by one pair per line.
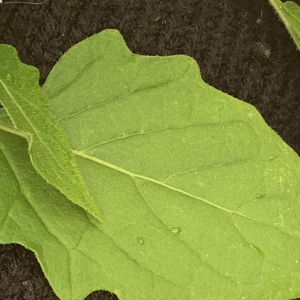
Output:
x,y
199,197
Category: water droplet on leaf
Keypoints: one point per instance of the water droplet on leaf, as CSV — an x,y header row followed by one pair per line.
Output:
x,y
259,251
140,241
176,230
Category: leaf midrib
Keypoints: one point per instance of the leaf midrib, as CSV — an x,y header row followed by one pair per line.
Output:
x,y
135,175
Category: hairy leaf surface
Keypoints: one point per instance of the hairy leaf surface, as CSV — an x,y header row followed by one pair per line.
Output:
x,y
289,13
200,198
32,119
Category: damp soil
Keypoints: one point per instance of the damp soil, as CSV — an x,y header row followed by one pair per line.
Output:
x,y
240,45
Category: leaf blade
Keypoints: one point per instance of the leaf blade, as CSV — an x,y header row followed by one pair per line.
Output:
x,y
171,129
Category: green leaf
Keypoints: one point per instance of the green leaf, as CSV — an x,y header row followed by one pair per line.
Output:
x,y
32,119
289,13
200,197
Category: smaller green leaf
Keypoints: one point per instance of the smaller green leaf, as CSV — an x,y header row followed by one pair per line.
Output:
x,y
289,13
31,118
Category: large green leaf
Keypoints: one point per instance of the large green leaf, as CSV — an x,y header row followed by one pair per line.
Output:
x,y
200,197
289,13
32,119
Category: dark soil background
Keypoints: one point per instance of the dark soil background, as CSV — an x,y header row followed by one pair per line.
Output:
x,y
240,45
